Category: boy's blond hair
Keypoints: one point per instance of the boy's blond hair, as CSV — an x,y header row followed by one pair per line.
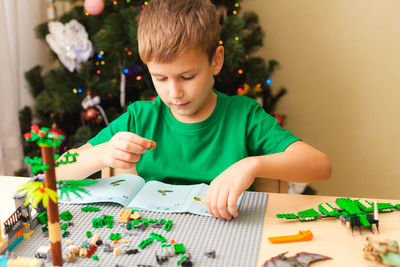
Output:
x,y
166,28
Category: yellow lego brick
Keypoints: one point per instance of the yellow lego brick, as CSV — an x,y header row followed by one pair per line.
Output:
x,y
22,262
123,217
26,225
28,235
3,245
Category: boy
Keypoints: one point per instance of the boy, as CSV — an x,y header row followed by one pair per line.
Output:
x,y
201,134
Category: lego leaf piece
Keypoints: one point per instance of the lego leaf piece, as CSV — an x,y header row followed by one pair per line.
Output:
x,y
301,236
73,186
303,259
36,192
43,137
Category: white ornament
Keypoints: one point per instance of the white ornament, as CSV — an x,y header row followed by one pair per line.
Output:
x,y
70,42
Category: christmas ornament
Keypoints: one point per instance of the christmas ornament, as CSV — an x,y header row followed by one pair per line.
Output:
x,y
280,119
70,42
91,116
93,112
94,7
51,10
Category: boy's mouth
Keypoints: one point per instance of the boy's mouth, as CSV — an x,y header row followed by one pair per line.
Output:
x,y
180,105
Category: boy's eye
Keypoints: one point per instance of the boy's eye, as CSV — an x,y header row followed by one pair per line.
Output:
x,y
161,79
187,77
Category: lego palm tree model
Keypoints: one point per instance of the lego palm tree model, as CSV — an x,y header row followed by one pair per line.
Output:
x,y
46,193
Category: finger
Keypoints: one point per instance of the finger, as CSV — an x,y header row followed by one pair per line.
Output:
x,y
130,147
134,138
125,156
207,200
116,163
232,201
222,204
214,204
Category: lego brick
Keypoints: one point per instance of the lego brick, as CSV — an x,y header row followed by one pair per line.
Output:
x,y
28,235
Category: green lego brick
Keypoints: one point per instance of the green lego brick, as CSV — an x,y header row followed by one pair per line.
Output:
x,y
179,248
42,217
88,234
107,219
95,257
65,234
145,243
158,237
66,215
153,221
97,222
310,214
331,212
363,207
64,226
168,225
145,221
90,209
181,260
162,221
385,207
115,236
349,205
286,216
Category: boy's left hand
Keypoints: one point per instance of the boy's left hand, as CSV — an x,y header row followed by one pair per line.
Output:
x,y
225,190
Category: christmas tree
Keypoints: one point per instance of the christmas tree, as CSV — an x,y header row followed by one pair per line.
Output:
x,y
97,71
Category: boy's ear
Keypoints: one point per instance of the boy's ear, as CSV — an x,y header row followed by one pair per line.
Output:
x,y
218,60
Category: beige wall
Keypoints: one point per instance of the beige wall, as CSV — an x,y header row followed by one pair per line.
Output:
x,y
340,61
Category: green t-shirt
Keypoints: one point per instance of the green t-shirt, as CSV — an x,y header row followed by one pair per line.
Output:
x,y
189,153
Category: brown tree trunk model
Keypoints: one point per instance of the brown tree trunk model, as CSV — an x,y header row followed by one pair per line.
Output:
x,y
52,208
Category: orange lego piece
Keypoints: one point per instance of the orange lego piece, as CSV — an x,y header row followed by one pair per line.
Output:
x,y
19,233
153,144
115,242
301,236
172,242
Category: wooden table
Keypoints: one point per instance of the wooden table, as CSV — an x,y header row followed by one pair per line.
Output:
x,y
330,238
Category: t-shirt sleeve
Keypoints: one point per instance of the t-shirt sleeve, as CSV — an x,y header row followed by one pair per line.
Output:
x,y
123,123
264,134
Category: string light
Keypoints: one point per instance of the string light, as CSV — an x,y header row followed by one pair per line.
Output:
x,y
268,81
98,71
97,63
146,3
109,95
237,38
126,71
99,56
240,71
138,78
79,90
234,12
129,53
87,13
115,3
128,1
143,6
126,49
101,52
240,89
102,62
74,90
220,42
236,4
152,98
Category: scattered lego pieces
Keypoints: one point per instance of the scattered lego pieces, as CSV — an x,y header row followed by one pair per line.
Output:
x,y
94,240
42,217
97,222
198,199
95,257
65,234
158,237
145,243
301,236
83,252
152,144
386,251
115,236
135,215
64,226
88,234
131,251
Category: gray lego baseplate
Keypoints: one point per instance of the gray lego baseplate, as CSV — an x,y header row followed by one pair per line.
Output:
x,y
235,242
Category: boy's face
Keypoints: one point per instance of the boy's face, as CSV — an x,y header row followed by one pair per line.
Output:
x,y
185,84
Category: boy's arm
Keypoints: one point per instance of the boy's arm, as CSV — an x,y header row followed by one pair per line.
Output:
x,y
121,152
298,163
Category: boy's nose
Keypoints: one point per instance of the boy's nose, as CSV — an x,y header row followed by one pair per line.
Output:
x,y
175,91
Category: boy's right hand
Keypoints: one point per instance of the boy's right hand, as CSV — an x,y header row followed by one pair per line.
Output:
x,y
124,149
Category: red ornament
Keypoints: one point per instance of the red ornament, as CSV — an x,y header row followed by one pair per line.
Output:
x,y
91,116
94,7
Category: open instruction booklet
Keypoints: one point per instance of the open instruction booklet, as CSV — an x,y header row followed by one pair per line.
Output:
x,y
133,192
